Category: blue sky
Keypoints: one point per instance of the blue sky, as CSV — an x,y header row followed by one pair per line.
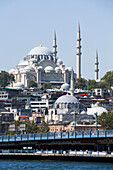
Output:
x,y
26,23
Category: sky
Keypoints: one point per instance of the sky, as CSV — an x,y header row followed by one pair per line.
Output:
x,y
26,23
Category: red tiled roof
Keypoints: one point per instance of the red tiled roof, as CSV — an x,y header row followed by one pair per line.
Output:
x,y
23,116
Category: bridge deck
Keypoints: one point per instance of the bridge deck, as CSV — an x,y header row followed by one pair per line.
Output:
x,y
57,135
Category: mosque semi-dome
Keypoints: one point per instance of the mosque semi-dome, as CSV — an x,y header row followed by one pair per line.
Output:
x,y
23,63
11,71
59,61
28,68
57,69
69,68
49,68
40,51
19,85
40,68
66,99
65,86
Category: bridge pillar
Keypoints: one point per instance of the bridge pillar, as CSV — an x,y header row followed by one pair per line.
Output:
x,y
75,134
15,137
2,138
68,134
90,133
28,136
34,136
83,134
40,135
105,133
54,135
97,133
61,135
47,135
8,137
21,137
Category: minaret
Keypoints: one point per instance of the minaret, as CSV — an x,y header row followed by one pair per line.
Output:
x,y
72,83
78,53
54,45
96,66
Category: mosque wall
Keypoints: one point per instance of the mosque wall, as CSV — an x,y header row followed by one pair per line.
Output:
x,y
52,77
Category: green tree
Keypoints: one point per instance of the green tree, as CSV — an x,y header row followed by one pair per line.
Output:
x,y
108,78
103,85
91,84
32,83
5,78
106,120
47,85
31,127
43,127
81,84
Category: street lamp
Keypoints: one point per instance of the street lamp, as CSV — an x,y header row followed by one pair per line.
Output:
x,y
75,121
96,119
47,123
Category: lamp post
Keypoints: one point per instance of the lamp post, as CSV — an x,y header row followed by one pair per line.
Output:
x,y
47,123
96,119
46,113
75,121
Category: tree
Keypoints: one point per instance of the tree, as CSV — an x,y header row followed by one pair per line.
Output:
x,y
31,127
32,83
43,127
103,85
91,84
108,78
47,85
5,78
106,120
81,83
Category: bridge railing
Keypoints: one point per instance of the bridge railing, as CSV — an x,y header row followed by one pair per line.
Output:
x,y
57,135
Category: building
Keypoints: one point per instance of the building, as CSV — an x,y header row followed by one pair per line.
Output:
x,y
42,66
64,107
6,118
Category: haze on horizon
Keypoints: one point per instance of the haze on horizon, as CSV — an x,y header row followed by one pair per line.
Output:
x,y
24,24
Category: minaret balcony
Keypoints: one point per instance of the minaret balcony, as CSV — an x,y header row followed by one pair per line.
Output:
x,y
96,70
78,53
96,63
78,39
78,46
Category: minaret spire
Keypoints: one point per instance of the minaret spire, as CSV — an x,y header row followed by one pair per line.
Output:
x,y
72,83
78,53
96,66
54,45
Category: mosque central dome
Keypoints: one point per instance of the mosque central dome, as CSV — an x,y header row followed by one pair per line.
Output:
x,y
40,51
66,99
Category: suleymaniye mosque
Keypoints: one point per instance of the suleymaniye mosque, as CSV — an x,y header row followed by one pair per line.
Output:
x,y
41,65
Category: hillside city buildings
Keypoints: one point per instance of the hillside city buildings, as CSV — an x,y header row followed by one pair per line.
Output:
x,y
66,106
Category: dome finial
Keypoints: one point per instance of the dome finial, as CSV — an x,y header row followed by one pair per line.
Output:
x,y
40,44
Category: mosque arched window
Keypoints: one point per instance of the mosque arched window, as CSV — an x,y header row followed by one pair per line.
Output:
x,y
32,56
41,57
57,105
75,105
38,58
62,105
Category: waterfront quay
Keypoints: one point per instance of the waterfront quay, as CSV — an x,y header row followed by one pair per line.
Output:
x,y
60,156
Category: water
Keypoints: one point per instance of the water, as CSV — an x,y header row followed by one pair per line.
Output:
x,y
52,165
